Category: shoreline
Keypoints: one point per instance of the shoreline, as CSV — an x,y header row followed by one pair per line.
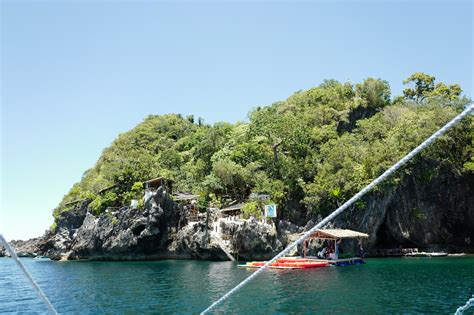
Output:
x,y
181,257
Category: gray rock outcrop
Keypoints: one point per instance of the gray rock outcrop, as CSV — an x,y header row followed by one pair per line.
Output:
x,y
413,213
28,248
417,213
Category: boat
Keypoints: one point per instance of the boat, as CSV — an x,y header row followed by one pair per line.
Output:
x,y
289,263
304,262
438,254
457,255
426,254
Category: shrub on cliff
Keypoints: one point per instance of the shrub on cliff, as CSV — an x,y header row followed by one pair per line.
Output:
x,y
251,209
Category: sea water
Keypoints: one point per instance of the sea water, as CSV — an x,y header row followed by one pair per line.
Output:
x,y
390,285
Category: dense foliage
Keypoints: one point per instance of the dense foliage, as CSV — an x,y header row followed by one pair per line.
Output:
x,y
309,153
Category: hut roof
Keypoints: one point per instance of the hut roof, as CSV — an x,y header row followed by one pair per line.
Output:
x,y
185,196
106,189
337,233
154,181
235,207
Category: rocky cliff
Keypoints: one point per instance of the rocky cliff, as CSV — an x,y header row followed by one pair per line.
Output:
x,y
433,213
122,234
160,231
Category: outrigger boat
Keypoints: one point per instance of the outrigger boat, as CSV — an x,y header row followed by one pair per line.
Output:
x,y
305,262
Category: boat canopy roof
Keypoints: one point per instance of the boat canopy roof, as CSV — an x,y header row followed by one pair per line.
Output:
x,y
337,233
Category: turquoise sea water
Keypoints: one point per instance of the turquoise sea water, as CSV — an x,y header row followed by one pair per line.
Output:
x,y
400,285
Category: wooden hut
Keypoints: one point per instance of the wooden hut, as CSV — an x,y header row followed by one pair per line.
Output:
x,y
189,201
232,211
153,184
335,235
185,197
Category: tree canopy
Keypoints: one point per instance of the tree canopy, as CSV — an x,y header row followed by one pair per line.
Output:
x,y
309,153
422,86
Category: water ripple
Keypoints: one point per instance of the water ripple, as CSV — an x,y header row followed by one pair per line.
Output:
x,y
187,287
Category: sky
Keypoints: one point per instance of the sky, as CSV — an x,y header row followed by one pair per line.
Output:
x,y
75,74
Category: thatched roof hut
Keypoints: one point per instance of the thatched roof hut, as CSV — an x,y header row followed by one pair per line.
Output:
x,y
333,234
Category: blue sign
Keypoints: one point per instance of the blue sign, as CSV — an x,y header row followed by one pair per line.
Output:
x,y
271,211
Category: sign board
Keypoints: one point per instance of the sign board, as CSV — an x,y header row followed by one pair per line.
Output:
x,y
271,211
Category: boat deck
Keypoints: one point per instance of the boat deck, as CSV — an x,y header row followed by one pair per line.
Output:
x,y
348,261
336,262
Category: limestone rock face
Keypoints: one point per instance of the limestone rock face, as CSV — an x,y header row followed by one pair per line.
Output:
x,y
155,233
123,235
29,248
417,213
252,240
199,243
128,233
414,213
55,244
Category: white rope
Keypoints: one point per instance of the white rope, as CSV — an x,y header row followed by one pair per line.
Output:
x,y
465,307
27,274
348,203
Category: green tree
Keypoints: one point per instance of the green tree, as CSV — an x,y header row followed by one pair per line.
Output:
x,y
373,93
422,85
251,208
309,152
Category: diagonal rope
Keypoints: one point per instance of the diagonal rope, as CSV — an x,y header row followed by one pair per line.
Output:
x,y
27,274
348,203
465,307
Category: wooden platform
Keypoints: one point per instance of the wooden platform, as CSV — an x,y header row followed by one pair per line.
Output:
x,y
336,262
347,261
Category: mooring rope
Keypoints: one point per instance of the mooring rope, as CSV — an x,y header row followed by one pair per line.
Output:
x,y
326,220
465,307
37,288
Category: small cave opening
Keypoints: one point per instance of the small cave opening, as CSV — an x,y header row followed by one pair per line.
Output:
x,y
137,230
149,245
386,240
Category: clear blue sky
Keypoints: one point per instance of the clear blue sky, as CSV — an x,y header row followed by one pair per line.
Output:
x,y
77,73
